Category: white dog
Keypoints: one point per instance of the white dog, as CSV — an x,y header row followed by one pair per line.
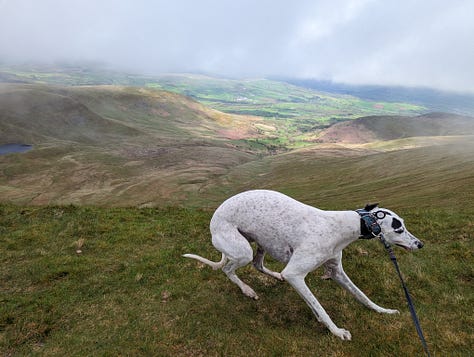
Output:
x,y
302,236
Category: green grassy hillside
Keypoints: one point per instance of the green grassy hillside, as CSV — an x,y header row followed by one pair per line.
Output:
x,y
435,175
102,281
277,100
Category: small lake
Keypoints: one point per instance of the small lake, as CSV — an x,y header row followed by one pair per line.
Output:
x,y
12,148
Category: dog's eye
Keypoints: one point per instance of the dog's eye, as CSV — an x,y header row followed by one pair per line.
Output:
x,y
396,224
399,231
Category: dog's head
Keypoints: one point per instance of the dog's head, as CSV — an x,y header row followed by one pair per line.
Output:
x,y
393,228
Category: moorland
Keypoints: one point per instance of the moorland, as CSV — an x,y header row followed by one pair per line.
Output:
x,y
123,176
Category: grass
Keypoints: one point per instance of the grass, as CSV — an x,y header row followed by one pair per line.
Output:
x,y
129,292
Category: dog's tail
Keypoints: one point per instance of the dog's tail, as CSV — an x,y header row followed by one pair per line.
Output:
x,y
214,265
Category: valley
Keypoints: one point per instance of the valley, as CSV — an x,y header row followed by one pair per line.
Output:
x,y
291,113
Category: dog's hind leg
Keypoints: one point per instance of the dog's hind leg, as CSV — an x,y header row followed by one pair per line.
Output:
x,y
238,252
334,268
229,270
258,264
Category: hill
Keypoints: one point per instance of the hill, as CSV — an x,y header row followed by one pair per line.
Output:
x,y
115,145
37,114
380,128
97,114
439,174
129,292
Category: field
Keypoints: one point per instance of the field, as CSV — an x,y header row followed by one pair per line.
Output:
x,y
123,180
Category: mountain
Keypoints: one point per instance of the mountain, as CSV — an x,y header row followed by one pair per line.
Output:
x,y
37,113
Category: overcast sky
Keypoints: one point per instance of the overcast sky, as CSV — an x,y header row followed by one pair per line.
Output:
x,y
403,42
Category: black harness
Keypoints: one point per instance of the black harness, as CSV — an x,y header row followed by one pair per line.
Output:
x,y
369,228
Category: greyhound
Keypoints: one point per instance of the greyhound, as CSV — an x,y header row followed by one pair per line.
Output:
x,y
303,237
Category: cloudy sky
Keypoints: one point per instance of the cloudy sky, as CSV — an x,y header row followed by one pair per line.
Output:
x,y
405,42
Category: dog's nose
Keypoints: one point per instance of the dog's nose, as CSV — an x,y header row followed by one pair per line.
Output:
x,y
419,244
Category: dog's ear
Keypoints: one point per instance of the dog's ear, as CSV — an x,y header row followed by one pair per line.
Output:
x,y
370,206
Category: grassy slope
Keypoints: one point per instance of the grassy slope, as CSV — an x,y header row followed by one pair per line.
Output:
x,y
38,114
129,292
439,173
114,145
131,146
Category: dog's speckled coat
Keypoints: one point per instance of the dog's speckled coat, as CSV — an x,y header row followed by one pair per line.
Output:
x,y
302,236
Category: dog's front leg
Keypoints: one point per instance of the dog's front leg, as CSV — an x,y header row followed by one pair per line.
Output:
x,y
293,275
338,275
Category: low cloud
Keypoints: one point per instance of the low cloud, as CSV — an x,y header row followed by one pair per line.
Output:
x,y
414,43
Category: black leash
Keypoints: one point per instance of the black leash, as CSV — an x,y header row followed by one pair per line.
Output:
x,y
407,295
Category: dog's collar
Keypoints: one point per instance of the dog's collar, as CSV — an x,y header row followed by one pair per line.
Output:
x,y
369,228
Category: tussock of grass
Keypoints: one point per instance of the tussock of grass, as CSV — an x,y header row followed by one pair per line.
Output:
x,y
129,291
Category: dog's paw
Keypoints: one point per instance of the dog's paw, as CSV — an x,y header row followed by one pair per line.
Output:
x,y
343,334
278,277
248,291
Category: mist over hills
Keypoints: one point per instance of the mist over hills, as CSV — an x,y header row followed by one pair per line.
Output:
x,y
436,100
201,86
